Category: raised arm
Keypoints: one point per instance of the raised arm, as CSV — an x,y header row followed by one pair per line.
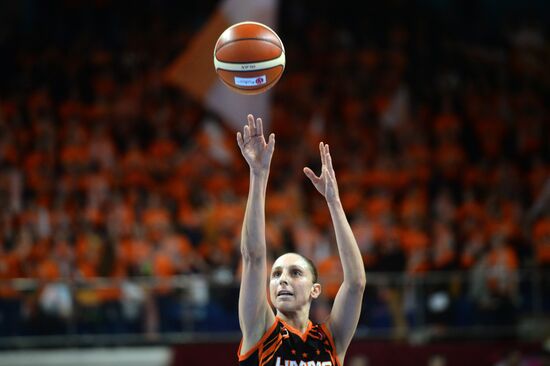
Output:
x,y
347,304
255,314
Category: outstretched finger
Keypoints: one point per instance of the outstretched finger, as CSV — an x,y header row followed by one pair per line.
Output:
x,y
259,127
322,153
271,143
246,134
251,124
328,159
240,141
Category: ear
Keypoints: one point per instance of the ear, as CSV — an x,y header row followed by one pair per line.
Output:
x,y
316,290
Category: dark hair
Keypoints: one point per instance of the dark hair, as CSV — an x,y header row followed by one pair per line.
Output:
x,y
312,267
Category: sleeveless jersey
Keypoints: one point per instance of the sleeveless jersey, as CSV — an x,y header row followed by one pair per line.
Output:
x,y
283,345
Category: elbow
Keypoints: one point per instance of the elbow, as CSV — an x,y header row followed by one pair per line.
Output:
x,y
361,281
252,256
357,284
361,284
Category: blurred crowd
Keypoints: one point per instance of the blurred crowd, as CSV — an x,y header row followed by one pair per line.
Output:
x,y
440,138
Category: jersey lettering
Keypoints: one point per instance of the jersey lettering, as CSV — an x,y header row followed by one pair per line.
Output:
x,y
302,363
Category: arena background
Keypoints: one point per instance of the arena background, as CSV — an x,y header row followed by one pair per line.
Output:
x,y
122,188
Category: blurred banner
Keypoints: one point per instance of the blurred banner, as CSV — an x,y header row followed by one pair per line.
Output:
x,y
193,70
120,356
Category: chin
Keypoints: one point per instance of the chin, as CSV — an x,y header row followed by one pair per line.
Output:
x,y
285,307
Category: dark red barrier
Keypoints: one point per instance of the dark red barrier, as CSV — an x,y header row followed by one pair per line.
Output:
x,y
375,353
478,353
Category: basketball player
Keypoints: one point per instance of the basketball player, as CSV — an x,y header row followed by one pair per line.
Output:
x,y
287,337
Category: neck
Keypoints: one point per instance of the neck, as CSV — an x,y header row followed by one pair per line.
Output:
x,y
298,319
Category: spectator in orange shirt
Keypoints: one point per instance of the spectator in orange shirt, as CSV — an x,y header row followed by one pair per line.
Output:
x,y
443,247
166,297
10,297
161,154
155,217
497,284
473,249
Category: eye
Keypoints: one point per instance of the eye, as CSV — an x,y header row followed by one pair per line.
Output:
x,y
276,274
296,272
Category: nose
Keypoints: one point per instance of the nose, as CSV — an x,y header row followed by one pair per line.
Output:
x,y
283,278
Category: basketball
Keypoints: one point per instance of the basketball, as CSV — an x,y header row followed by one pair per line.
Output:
x,y
249,57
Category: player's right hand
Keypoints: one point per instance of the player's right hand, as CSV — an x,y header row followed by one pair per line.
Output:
x,y
256,151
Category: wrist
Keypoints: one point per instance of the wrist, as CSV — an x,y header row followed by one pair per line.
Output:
x,y
259,174
334,202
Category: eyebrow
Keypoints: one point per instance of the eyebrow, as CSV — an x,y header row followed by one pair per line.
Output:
x,y
293,266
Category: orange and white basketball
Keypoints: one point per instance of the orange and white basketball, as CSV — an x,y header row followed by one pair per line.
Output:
x,y
249,57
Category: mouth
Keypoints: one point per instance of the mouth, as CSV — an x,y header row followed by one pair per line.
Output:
x,y
284,293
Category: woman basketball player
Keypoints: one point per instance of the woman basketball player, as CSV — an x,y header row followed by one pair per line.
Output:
x,y
287,337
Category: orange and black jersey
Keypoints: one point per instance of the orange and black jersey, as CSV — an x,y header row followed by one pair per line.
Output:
x,y
283,345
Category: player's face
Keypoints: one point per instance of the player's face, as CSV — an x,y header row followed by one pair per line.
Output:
x,y
291,284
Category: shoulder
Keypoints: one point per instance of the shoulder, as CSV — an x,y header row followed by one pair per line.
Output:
x,y
268,337
322,330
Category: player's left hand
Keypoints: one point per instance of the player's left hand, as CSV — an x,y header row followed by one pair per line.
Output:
x,y
326,181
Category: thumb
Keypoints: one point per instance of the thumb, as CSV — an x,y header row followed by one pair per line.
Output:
x,y
309,173
271,142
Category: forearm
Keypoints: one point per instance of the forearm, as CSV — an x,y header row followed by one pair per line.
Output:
x,y
253,243
350,255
